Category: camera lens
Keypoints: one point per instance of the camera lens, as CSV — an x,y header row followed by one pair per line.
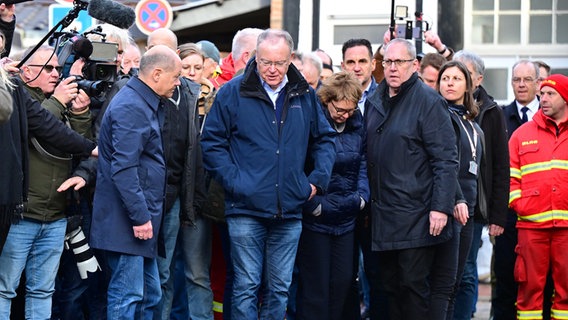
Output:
x,y
103,72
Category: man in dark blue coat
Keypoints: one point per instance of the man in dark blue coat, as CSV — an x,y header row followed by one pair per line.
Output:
x,y
130,187
255,141
412,173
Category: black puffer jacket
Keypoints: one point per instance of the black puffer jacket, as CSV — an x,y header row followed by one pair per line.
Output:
x,y
412,165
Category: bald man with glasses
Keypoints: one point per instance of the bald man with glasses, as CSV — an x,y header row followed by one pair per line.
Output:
x,y
412,167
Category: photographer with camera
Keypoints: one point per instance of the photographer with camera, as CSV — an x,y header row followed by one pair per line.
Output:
x,y
37,244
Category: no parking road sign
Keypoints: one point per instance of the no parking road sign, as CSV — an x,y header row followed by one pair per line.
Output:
x,y
152,15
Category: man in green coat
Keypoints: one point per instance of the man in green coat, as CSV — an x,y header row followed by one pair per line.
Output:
x,y
35,243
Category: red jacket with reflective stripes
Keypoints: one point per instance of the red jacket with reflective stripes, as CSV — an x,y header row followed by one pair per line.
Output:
x,y
539,173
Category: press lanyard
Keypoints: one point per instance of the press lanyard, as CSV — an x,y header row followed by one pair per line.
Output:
x,y
472,144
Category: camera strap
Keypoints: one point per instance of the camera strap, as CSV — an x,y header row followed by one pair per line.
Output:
x,y
46,153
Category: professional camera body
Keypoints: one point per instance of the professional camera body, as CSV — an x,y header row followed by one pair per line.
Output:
x,y
99,72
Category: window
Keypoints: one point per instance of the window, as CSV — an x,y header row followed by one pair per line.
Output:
x,y
495,81
519,22
371,32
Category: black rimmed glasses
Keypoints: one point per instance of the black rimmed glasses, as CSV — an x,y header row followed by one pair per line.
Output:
x,y
341,112
47,67
397,62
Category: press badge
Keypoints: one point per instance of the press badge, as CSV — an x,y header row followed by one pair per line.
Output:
x,y
473,168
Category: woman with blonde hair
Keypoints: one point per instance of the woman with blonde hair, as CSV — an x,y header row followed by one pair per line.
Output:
x,y
326,250
192,63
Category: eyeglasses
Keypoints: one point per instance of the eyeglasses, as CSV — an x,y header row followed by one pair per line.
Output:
x,y
525,79
47,67
341,112
276,64
398,62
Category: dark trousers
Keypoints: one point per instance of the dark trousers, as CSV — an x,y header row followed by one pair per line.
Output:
x,y
466,239
404,275
378,309
447,270
443,276
326,268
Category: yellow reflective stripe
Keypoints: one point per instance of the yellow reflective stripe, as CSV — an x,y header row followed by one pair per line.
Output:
x,y
529,314
514,195
217,307
543,166
559,164
546,216
515,173
559,314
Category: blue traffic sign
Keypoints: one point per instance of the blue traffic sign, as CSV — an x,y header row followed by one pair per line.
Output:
x,y
57,12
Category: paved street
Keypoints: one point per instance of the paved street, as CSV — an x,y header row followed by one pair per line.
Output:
x,y
483,302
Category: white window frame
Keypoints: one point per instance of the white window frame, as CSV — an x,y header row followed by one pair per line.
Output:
x,y
523,49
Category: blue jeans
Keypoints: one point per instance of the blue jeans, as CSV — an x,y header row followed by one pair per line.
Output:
x,y
36,248
196,249
169,229
262,250
134,288
180,310
466,295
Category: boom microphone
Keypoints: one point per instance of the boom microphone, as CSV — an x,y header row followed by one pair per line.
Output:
x,y
112,12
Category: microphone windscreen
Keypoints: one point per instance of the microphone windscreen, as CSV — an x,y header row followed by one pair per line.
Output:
x,y
83,47
112,12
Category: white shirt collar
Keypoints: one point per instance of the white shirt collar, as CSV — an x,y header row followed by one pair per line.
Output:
x,y
273,93
533,108
361,103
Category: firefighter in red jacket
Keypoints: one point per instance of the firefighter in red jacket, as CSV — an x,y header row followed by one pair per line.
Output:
x,y
539,194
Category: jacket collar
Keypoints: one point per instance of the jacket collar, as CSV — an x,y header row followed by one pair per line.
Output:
x,y
546,122
147,94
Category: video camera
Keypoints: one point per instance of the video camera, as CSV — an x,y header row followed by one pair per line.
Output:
x,y
99,72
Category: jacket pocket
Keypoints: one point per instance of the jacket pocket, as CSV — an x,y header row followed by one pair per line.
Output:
x,y
528,203
520,266
528,148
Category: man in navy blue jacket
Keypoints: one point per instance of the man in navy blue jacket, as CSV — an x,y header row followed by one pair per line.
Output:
x,y
130,187
255,143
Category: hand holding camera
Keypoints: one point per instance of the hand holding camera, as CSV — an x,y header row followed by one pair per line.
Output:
x,y
66,90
